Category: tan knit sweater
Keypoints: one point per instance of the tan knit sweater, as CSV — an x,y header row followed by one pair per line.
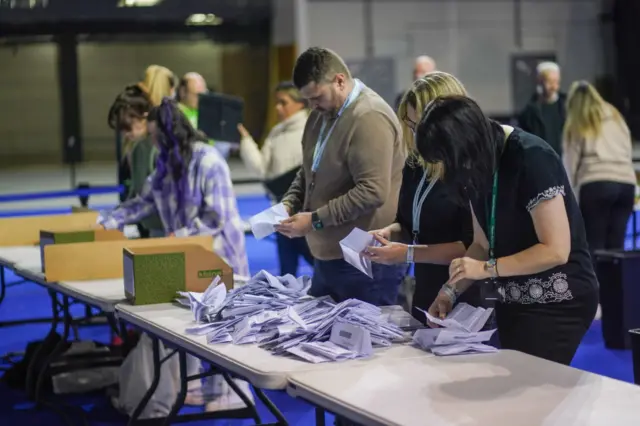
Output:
x,y
607,157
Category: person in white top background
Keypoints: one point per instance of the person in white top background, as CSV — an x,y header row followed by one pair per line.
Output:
x,y
278,160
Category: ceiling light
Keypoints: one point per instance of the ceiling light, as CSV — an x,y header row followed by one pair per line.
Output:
x,y
204,19
138,3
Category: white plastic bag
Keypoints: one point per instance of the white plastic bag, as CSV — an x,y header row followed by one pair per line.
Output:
x,y
136,377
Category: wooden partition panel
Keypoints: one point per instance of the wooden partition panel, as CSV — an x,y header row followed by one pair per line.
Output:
x,y
25,231
102,260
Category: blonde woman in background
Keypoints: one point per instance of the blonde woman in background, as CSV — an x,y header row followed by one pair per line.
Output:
x,y
598,158
159,82
430,229
280,157
597,150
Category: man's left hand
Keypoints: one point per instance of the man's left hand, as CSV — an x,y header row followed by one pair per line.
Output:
x,y
297,225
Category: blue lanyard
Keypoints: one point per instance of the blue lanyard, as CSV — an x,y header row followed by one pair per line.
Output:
x,y
418,201
322,139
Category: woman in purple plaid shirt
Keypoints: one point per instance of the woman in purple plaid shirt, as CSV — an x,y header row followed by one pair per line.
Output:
x,y
192,192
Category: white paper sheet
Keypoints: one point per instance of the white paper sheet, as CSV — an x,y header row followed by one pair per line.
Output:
x,y
353,246
263,224
463,317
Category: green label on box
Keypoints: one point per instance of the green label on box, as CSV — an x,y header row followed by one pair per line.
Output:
x,y
209,273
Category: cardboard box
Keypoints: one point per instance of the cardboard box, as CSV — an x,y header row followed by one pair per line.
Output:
x,y
70,236
102,260
155,274
25,231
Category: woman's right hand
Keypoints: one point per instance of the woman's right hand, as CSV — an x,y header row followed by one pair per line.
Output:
x,y
440,307
384,233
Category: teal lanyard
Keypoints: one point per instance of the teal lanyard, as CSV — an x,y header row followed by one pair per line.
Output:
x,y
492,217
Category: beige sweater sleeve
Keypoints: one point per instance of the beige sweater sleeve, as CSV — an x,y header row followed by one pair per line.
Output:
x,y
256,159
369,160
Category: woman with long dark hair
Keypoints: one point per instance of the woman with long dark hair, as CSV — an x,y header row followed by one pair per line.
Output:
x,y
529,239
191,191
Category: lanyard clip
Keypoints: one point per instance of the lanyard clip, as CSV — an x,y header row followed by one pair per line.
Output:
x,y
415,237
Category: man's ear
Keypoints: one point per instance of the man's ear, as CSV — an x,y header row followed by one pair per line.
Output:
x,y
340,79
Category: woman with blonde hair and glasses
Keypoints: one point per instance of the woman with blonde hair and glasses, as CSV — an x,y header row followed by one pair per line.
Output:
x,y
430,229
598,158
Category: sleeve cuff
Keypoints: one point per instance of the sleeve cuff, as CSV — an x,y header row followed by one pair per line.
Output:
x,y
182,232
325,216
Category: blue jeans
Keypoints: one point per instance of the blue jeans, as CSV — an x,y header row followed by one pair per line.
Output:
x,y
289,252
341,281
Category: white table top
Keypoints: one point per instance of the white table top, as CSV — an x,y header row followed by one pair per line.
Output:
x,y
258,366
14,256
500,389
103,294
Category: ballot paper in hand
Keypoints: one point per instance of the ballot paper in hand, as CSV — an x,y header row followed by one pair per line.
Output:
x,y
263,224
461,333
463,317
353,247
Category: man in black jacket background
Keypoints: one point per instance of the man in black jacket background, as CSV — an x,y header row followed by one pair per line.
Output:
x,y
545,114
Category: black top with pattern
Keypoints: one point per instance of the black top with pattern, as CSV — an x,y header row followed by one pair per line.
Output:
x,y
531,172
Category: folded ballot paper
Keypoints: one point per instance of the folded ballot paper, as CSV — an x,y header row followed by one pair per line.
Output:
x,y
353,246
263,224
460,332
277,314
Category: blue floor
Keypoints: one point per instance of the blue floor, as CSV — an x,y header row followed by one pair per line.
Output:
x,y
29,300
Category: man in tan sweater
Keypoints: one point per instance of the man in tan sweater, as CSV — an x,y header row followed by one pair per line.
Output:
x,y
351,175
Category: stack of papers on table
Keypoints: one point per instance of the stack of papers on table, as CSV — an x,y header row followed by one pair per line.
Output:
x,y
460,332
263,224
276,313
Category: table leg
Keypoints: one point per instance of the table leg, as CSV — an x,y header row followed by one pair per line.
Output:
x,y
3,283
57,350
33,367
634,227
271,407
320,417
182,394
157,364
250,405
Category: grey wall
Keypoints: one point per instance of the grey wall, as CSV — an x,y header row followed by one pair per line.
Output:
x,y
29,93
472,39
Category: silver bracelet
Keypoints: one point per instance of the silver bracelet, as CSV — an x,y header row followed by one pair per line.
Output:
x,y
450,292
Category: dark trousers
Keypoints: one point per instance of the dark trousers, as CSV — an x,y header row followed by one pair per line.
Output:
x,y
341,281
552,331
606,208
289,252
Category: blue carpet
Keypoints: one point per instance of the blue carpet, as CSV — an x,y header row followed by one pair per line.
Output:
x,y
29,300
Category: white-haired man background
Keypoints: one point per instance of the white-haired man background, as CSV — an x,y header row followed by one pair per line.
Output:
x,y
545,114
422,66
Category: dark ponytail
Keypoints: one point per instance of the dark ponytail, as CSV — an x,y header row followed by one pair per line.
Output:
x,y
174,138
132,103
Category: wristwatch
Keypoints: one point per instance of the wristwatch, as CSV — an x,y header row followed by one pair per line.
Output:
x,y
491,266
316,222
410,253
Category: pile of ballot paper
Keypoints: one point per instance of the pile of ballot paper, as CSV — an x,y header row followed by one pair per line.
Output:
x,y
459,332
277,314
